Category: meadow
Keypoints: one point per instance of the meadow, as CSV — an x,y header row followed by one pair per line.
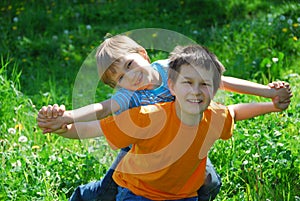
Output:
x,y
43,45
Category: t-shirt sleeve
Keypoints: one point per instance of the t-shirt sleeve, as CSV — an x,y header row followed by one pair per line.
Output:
x,y
228,124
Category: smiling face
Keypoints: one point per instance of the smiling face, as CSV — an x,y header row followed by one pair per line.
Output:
x,y
194,89
134,72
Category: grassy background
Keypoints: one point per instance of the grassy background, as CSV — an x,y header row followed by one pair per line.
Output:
x,y
44,43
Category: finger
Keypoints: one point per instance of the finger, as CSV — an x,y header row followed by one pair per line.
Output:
x,y
38,119
278,85
276,99
287,85
41,124
62,110
285,101
43,111
47,130
271,85
55,110
41,115
49,112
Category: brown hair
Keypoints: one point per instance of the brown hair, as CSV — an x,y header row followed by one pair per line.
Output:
x,y
109,51
197,56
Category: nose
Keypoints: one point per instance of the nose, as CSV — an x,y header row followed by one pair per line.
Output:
x,y
196,89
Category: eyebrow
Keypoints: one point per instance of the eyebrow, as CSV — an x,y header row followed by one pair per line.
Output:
x,y
190,78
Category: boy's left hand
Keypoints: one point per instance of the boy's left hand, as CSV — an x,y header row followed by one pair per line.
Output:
x,y
282,90
51,111
282,105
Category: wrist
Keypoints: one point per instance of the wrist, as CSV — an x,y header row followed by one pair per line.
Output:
x,y
271,93
68,117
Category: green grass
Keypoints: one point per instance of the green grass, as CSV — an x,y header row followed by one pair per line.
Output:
x,y
44,43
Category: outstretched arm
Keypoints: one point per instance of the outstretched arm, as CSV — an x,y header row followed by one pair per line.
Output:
x,y
250,110
49,118
81,130
274,89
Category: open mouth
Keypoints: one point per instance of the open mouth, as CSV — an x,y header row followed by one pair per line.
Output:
x,y
197,101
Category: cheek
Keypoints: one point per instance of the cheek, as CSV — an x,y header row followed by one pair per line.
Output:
x,y
208,91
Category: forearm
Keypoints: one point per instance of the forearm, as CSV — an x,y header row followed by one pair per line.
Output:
x,y
91,112
83,114
81,130
250,110
246,87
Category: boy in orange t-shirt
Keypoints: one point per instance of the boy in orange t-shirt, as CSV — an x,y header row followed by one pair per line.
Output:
x,y
170,141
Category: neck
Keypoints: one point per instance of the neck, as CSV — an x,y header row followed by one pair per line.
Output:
x,y
188,119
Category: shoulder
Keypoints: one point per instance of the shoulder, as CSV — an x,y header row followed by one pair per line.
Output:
x,y
161,65
214,106
163,62
155,108
218,109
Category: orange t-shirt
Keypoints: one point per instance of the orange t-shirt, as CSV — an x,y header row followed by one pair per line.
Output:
x,y
168,158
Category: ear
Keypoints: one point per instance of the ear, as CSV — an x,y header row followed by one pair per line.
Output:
x,y
171,86
144,54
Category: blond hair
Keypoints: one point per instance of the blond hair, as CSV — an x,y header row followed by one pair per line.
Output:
x,y
109,52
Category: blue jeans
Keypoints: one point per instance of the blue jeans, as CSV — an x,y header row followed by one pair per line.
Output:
x,y
126,195
107,189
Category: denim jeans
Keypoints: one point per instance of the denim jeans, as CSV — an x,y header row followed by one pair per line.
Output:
x,y
107,189
126,195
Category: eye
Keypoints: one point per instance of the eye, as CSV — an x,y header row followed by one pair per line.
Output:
x,y
129,64
206,84
187,82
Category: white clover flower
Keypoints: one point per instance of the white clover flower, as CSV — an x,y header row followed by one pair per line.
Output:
x,y
103,160
277,133
275,60
256,155
15,19
245,162
17,164
280,144
55,37
52,158
282,17
88,27
270,18
66,32
298,19
195,32
23,138
47,173
91,149
290,21
59,159
11,131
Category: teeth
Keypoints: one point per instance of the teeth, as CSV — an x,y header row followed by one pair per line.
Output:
x,y
195,101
